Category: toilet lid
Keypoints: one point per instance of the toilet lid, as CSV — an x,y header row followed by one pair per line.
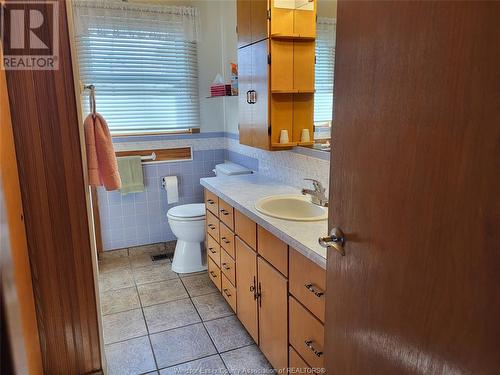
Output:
x,y
188,211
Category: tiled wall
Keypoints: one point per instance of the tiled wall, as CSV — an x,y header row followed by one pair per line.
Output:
x,y
141,218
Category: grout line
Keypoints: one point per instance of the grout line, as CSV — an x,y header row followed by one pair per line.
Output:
x,y
198,359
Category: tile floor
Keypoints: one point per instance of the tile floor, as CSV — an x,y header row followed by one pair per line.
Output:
x,y
158,322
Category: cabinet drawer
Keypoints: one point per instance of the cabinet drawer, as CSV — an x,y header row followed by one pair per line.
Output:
x,y
296,364
212,202
306,334
307,283
226,214
273,250
213,250
228,266
227,240
229,292
246,229
212,225
214,273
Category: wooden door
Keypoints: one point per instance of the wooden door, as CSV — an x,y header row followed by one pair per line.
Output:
x,y
259,24
414,186
260,83
246,280
273,314
244,87
243,25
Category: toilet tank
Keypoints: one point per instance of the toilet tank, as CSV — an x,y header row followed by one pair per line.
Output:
x,y
231,169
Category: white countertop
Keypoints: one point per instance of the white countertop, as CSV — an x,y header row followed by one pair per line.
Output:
x,y
243,191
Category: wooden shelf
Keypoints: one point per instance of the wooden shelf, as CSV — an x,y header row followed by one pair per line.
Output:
x,y
284,145
305,144
292,37
293,91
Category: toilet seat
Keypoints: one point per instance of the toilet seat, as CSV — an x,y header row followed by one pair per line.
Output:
x,y
187,212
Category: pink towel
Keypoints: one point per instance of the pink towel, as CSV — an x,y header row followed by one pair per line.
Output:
x,y
101,158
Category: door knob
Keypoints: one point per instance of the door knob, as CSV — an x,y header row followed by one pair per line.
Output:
x,y
335,240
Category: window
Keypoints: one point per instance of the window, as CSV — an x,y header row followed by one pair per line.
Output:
x,y
325,61
142,61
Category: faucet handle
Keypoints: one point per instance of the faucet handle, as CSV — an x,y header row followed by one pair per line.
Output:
x,y
317,185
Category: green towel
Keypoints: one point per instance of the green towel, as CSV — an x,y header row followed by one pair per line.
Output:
x,y
130,168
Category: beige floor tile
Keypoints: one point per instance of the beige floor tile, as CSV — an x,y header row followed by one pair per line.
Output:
x,y
247,360
123,325
163,291
114,263
144,260
116,279
181,345
212,306
130,357
113,301
154,273
209,365
153,249
199,285
170,315
113,254
228,333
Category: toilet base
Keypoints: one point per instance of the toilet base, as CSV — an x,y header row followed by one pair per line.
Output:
x,y
189,257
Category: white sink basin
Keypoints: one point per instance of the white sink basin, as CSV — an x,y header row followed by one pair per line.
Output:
x,y
291,207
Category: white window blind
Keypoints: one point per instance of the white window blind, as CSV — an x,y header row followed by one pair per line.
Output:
x,y
324,70
142,61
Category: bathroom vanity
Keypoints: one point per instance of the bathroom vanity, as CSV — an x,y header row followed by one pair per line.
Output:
x,y
273,278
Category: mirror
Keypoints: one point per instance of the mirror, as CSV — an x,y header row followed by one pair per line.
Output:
x,y
325,62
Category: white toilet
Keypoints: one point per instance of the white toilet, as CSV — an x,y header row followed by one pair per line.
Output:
x,y
188,225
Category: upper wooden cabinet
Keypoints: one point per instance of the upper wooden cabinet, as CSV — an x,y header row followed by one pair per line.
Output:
x,y
276,62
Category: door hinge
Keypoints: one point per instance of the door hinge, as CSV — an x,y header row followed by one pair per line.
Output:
x,y
269,59
269,14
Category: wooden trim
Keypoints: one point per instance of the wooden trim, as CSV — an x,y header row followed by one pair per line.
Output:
x,y
51,173
97,220
167,154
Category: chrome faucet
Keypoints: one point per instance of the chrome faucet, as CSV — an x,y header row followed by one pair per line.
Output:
x,y
318,194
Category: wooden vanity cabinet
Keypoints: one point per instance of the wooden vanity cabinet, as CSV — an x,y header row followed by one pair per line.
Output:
x,y
252,21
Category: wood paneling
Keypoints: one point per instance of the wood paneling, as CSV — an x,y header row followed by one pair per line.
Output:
x,y
296,364
259,24
165,154
273,250
243,22
245,109
212,225
97,219
214,273
46,133
213,249
227,240
307,334
229,292
228,267
246,229
308,283
246,279
273,315
282,71
18,305
415,188
260,83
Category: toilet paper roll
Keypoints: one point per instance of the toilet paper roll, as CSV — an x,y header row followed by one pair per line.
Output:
x,y
171,186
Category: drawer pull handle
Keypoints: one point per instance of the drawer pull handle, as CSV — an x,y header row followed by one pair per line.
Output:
x,y
226,292
224,239
226,267
210,201
253,289
211,226
214,275
317,292
312,348
224,212
259,295
212,250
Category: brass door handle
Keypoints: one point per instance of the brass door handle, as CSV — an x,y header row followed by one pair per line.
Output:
x,y
317,292
309,345
335,240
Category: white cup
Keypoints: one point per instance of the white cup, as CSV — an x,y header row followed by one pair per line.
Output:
x,y
284,136
305,136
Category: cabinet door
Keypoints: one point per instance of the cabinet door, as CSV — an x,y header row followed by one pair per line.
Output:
x,y
246,279
259,23
243,22
273,315
260,83
244,87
